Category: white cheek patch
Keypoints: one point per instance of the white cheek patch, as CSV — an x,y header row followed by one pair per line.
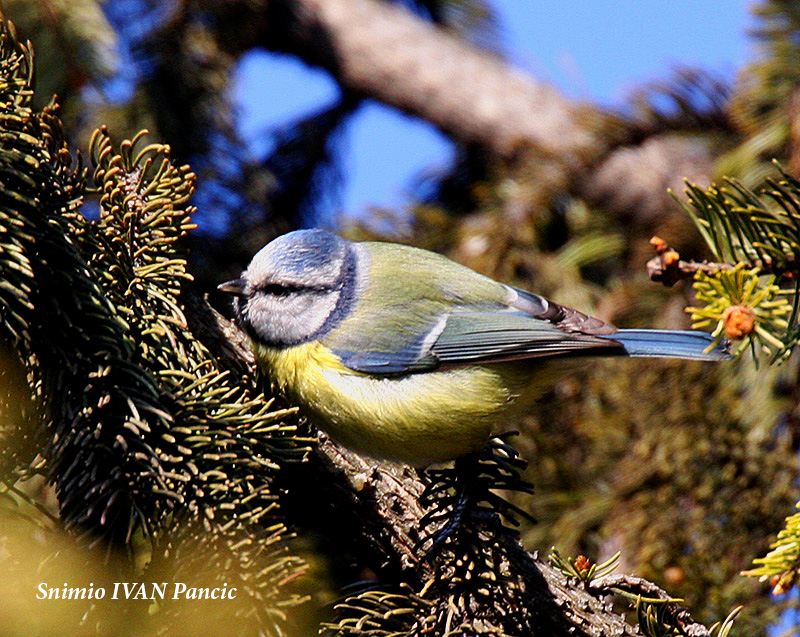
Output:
x,y
289,320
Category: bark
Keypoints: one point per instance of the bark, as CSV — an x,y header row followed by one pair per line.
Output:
x,y
382,523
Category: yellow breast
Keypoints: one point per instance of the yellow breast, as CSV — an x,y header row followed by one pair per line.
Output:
x,y
416,418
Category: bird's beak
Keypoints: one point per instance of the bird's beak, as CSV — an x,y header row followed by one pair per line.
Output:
x,y
235,287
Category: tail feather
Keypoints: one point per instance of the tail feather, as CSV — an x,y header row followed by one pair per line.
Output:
x,y
690,344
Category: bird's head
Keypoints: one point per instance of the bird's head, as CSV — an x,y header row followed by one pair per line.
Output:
x,y
295,288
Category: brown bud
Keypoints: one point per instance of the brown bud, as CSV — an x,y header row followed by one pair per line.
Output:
x,y
739,320
659,244
582,563
671,257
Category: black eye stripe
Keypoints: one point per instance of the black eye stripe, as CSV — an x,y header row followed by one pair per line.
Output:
x,y
275,289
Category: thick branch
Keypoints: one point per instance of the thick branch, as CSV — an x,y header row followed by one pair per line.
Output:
x,y
644,588
374,512
381,50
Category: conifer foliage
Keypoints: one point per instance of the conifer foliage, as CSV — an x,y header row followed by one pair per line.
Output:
x,y
151,444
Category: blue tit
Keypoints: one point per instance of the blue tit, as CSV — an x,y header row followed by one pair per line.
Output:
x,y
402,354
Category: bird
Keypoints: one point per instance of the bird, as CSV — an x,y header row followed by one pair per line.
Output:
x,y
402,354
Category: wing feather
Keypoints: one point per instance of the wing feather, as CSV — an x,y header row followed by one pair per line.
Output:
x,y
508,335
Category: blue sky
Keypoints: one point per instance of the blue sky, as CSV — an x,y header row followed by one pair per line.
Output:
x,y
593,50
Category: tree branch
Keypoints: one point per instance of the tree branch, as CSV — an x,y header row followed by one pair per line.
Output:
x,y
381,50
668,268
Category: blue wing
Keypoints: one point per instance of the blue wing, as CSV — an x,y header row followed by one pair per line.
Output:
x,y
508,335
527,326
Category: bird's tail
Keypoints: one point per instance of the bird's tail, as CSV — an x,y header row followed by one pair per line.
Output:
x,y
693,345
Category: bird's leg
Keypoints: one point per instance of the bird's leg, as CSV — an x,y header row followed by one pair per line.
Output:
x,y
463,476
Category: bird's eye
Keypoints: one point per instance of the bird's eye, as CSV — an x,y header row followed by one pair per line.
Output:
x,y
274,289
